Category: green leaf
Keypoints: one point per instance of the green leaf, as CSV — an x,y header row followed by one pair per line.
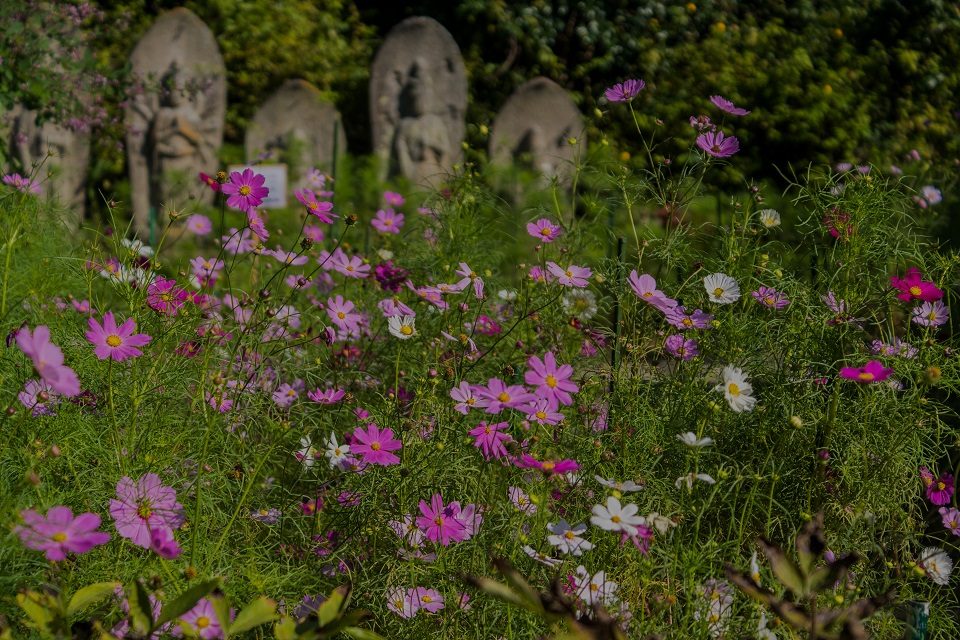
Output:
x,y
330,610
784,569
498,590
362,634
141,611
89,595
221,607
261,611
286,629
186,601
38,608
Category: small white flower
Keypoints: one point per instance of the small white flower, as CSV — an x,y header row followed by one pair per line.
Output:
x,y
308,454
336,454
721,288
691,477
937,564
595,589
539,557
137,247
616,517
737,390
580,303
385,254
762,632
690,439
660,523
402,326
567,539
507,294
769,218
754,568
624,487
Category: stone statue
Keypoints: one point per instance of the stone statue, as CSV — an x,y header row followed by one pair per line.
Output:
x,y
534,128
59,152
418,99
296,126
174,132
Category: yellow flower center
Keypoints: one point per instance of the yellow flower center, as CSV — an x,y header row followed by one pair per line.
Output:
x,y
60,537
438,521
471,401
569,535
143,510
768,300
718,292
375,446
427,599
648,294
548,466
203,621
594,587
932,316
114,341
388,223
687,322
407,331
941,486
314,205
865,376
916,291
733,389
487,430
569,273
504,397
551,382
263,512
541,415
615,519
715,148
245,190
341,315
545,232
681,351
207,265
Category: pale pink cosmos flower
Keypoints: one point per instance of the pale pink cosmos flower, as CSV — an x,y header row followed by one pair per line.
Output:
x,y
544,230
118,343
540,275
237,242
393,307
328,396
313,232
375,445
521,500
501,396
48,360
470,276
490,439
59,532
388,221
257,225
439,522
203,620
285,395
402,602
717,145
352,266
571,276
770,297
39,397
21,184
542,411
393,199
725,105
199,224
679,318
430,599
82,306
145,506
432,295
206,270
546,466
550,380
646,289
465,398
291,258
341,313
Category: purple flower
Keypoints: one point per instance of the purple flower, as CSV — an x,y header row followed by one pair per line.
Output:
x,y
646,289
770,297
625,91
389,277
40,397
387,221
897,348
164,296
246,190
323,210
24,185
328,396
717,145
430,600
931,314
544,230
951,519
144,507
393,199
552,382
202,619
164,544
439,522
59,533
725,105
118,343
501,396
48,360
939,491
680,347
679,318
375,445
873,371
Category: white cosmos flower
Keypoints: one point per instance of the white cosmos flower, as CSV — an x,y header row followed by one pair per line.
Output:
x,y
137,247
567,539
937,564
402,326
690,439
539,557
691,477
336,454
721,288
769,218
580,303
736,389
624,487
660,523
617,517
595,589
308,453
755,568
763,633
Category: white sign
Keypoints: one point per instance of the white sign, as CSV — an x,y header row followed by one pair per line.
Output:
x,y
275,179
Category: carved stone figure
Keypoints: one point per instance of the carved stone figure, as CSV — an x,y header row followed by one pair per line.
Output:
x,y
418,99
534,127
175,131
296,126
61,153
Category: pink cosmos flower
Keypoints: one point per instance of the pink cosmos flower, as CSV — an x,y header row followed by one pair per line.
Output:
x,y
646,289
840,224
538,274
465,398
898,347
328,396
164,544
402,602
544,230
430,600
393,199
387,221
291,258
873,371
913,287
352,266
521,500
679,318
375,445
313,232
542,411
59,533
341,313
940,491
245,189
323,210
219,401
625,91
572,276
432,295
210,182
490,439
501,396
951,520
257,225
202,619
470,276
551,381
285,395
206,270
24,185
931,314
39,397
725,105
143,507
199,224
48,360
82,306
770,297
164,296
547,466
439,523
718,146
237,242
393,307
118,343
680,347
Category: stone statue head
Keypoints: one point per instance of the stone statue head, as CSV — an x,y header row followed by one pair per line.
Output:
x,y
172,86
416,96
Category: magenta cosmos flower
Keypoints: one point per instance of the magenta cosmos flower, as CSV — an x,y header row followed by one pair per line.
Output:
x,y
375,445
547,466
323,210
625,91
439,523
544,230
387,221
679,318
551,381
725,105
873,371
209,181
490,439
717,145
143,507
680,347
429,600
393,199
48,360
939,491
328,396
199,224
500,396
203,620
245,189
24,185
59,533
646,289
116,342
913,287
770,297
572,276
164,296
